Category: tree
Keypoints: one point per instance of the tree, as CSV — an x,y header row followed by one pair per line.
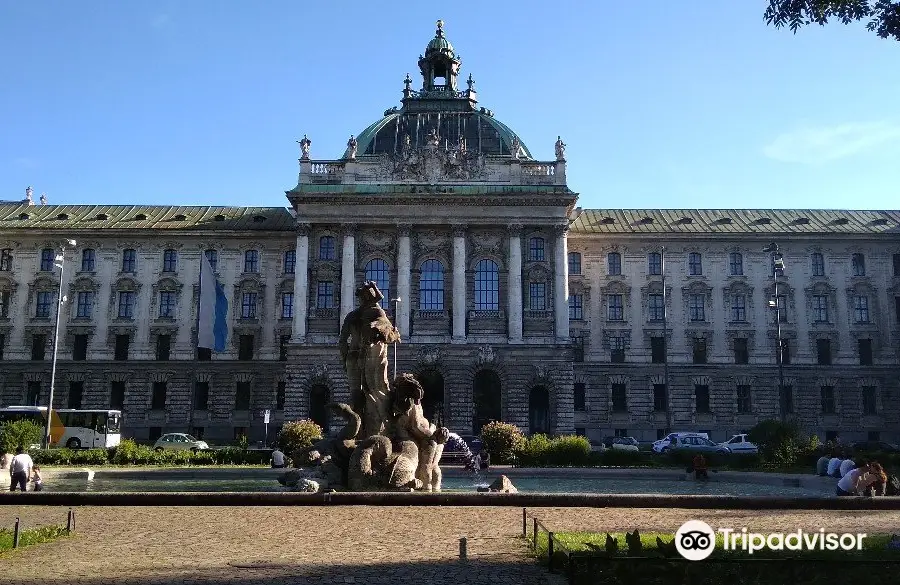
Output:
x,y
883,15
24,433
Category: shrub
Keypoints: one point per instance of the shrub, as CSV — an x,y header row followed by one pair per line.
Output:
x,y
620,458
534,451
502,440
569,451
298,434
17,433
769,435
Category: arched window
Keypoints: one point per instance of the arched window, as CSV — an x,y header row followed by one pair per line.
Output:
x,y
326,248
377,270
536,249
487,286
431,286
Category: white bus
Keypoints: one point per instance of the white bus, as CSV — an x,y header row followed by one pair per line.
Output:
x,y
72,428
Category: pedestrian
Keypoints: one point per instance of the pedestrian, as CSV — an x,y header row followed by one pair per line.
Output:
x,y
20,469
5,460
37,479
277,459
858,480
699,467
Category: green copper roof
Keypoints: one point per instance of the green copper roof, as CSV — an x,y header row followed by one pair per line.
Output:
x,y
135,217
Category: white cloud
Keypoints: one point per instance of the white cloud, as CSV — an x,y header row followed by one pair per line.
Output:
x,y
820,145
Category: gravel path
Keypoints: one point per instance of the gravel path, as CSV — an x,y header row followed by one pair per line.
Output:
x,y
328,545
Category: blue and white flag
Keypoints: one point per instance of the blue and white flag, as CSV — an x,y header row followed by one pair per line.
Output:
x,y
212,323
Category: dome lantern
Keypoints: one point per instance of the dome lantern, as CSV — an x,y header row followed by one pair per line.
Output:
x,y
439,65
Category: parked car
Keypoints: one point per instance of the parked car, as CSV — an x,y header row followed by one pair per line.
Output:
x,y
625,444
694,443
875,446
179,442
740,444
596,445
660,445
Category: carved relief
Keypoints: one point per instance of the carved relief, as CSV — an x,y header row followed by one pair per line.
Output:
x,y
378,243
432,164
486,242
429,356
485,355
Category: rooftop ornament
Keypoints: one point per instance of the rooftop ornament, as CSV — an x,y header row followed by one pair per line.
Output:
x,y
304,147
350,154
29,192
560,149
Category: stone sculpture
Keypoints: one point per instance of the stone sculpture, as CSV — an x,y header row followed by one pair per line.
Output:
x,y
351,149
516,147
304,147
387,442
560,149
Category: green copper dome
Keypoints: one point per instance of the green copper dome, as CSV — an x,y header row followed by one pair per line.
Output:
x,y
440,43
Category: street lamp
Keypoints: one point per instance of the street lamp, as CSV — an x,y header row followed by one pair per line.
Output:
x,y
59,261
777,266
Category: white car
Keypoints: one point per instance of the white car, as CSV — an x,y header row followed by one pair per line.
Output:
x,y
625,444
662,444
740,444
179,442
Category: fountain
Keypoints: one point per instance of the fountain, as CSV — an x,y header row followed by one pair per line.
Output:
x,y
387,443
459,445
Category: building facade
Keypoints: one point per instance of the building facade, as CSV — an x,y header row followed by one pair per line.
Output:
x,y
513,303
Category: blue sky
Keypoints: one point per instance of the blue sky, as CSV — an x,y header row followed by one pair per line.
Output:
x,y
661,104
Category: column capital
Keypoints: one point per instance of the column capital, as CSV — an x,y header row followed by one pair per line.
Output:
x,y
514,229
459,230
561,229
303,228
348,229
404,229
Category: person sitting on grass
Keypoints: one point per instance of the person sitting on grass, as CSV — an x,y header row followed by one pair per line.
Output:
x,y
700,469
277,459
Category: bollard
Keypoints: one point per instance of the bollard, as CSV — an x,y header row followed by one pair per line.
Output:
x,y
73,520
534,532
524,523
69,521
16,534
550,551
463,552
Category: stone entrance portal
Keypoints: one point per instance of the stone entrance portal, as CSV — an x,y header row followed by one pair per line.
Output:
x,y
539,410
487,397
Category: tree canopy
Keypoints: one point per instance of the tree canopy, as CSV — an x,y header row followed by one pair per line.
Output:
x,y
883,16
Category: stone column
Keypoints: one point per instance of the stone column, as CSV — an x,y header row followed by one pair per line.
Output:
x,y
404,265
561,284
459,284
301,284
514,286
348,271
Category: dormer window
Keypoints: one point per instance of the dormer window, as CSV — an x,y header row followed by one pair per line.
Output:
x,y
219,217
259,218
879,221
723,221
23,216
62,216
801,221
646,220
841,221
102,216
607,221
179,217
685,220
763,221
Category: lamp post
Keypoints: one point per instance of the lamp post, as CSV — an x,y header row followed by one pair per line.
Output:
x,y
59,261
777,265
662,271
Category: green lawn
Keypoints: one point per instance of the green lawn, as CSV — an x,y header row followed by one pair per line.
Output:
x,y
30,536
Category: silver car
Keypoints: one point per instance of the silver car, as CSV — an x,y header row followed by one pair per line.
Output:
x,y
179,442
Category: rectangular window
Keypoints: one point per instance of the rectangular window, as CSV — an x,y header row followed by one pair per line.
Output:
x,y
818,264
4,304
870,404
786,399
658,350
120,352
656,307
117,395
620,433
325,295
536,249
47,257
79,348
251,261
88,260
2,344
858,263
248,305
76,392
865,352
736,264
213,257
167,304
5,260
84,306
617,350
580,396
701,398
242,396
201,395
827,393
699,350
574,263
697,306
820,308
660,398
744,404
896,263
287,305
695,264
785,353
33,394
170,261
823,350
42,305
290,261
129,261
280,391
126,304
615,307
614,264
861,308
204,354
327,248
245,348
654,263
283,347
38,346
619,398
158,396
537,295
576,307
741,351
738,309
163,347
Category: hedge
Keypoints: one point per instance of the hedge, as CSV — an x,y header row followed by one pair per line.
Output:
x,y
130,453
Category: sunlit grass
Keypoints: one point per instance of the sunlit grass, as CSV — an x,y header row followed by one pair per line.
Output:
x,y
30,536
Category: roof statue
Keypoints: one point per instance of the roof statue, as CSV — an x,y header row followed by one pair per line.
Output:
x,y
43,199
304,147
515,147
28,195
350,153
560,149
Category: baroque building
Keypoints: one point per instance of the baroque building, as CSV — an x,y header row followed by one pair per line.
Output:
x,y
513,303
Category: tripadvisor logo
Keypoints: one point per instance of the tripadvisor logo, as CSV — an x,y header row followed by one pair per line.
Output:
x,y
695,540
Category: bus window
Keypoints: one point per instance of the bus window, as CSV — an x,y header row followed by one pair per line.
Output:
x,y
113,423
